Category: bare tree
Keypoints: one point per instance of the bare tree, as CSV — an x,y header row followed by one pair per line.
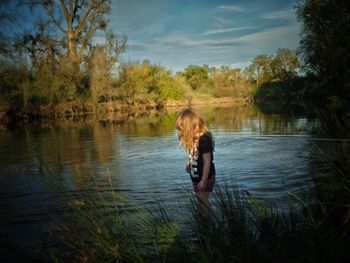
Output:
x,y
101,66
77,20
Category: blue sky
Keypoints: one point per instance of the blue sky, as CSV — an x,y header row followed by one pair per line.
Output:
x,y
178,33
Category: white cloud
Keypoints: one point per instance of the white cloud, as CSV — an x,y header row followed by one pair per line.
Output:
x,y
270,37
178,50
224,30
231,8
281,14
215,47
223,22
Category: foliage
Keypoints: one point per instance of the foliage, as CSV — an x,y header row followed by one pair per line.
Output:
x,y
282,90
281,67
324,44
147,80
196,76
14,85
101,67
183,86
63,67
66,66
104,226
276,76
47,85
260,69
230,83
81,20
285,65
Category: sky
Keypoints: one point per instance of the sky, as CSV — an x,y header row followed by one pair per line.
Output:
x,y
178,33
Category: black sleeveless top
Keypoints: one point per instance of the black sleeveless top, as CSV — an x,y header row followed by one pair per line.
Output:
x,y
205,145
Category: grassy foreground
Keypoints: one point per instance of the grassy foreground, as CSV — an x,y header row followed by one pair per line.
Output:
x,y
105,227
102,226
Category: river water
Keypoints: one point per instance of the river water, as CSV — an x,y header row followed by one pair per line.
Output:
x,y
267,155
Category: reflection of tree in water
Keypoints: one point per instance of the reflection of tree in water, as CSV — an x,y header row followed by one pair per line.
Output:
x,y
104,143
70,147
61,147
239,118
51,144
154,125
84,145
15,149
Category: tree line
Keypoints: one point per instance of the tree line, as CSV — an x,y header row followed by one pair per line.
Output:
x,y
324,49
58,61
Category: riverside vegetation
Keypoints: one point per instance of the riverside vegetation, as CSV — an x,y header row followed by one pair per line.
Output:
x,y
102,225
57,69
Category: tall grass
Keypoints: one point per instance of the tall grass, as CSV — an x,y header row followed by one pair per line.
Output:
x,y
103,226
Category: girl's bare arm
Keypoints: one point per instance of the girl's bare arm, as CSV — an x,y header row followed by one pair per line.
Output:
x,y
206,170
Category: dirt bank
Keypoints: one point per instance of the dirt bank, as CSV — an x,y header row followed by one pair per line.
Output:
x,y
203,101
125,109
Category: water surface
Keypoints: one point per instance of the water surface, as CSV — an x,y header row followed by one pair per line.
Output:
x,y
267,155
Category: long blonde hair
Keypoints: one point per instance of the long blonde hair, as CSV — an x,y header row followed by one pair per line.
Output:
x,y
190,128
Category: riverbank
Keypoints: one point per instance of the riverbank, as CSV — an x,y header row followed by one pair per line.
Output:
x,y
87,111
206,101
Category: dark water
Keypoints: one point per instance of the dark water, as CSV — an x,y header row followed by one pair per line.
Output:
x,y
267,155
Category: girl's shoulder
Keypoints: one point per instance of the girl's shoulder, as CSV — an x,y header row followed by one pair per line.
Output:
x,y
206,143
206,137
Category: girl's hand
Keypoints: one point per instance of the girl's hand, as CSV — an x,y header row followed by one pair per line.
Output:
x,y
188,168
202,184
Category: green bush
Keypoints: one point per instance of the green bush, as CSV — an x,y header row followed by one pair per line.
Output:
x,y
147,80
196,76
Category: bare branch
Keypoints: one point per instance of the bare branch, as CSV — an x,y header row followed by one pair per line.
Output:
x,y
49,12
83,23
71,7
86,40
94,9
65,12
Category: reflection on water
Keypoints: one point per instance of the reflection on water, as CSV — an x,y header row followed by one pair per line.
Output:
x,y
267,155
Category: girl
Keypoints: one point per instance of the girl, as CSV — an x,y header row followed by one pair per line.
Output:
x,y
195,137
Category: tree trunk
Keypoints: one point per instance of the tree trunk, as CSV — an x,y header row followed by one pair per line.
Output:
x,y
72,45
